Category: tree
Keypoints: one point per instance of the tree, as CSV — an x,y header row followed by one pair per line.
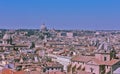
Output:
x,y
102,69
69,68
41,36
74,69
15,49
30,32
112,54
32,45
48,59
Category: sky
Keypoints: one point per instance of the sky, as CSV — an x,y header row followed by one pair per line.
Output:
x,y
60,14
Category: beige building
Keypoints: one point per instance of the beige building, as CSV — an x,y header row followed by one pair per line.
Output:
x,y
101,63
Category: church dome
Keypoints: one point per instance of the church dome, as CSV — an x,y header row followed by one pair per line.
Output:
x,y
43,27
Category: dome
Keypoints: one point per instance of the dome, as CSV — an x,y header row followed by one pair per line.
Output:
x,y
6,36
43,27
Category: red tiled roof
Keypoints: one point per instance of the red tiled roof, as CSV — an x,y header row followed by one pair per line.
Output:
x,y
53,64
83,72
55,72
82,58
0,72
7,71
97,62
19,72
35,72
112,62
6,45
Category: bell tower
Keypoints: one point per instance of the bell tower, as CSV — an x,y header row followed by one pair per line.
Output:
x,y
7,39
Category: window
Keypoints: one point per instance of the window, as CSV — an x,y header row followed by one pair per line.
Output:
x,y
91,69
107,67
105,58
52,68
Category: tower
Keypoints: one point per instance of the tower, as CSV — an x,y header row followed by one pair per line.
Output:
x,y
7,39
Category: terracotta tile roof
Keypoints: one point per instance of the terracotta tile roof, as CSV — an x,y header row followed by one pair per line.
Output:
x,y
55,72
97,62
5,45
86,59
7,71
35,72
82,58
21,45
0,72
83,72
112,62
19,72
25,72
53,64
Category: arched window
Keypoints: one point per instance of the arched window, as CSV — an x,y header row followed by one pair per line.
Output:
x,y
91,69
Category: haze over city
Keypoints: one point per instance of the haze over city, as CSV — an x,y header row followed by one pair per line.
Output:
x,y
62,14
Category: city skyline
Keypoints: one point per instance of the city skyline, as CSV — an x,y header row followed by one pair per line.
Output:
x,y
69,14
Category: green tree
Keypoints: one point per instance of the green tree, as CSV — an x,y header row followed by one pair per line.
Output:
x,y
32,45
74,69
69,68
102,69
15,49
112,54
